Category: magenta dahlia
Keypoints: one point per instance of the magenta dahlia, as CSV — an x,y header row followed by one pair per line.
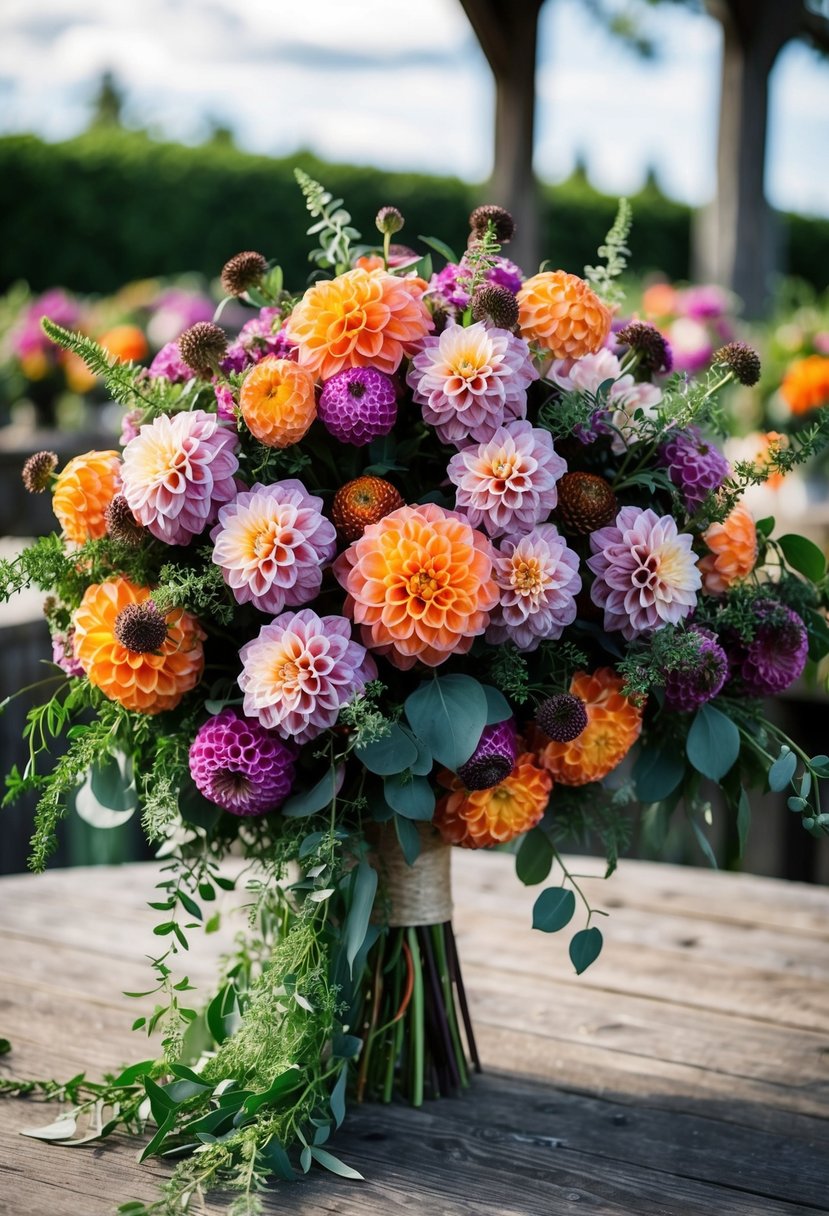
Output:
x,y
694,465
358,405
493,759
241,766
272,543
646,572
169,365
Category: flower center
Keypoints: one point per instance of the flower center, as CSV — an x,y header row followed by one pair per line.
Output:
x,y
264,542
356,389
423,585
647,574
526,574
503,467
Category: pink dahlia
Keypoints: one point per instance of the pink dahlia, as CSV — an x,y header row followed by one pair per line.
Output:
x,y
538,578
646,573
272,543
509,483
300,671
470,381
169,365
177,472
239,765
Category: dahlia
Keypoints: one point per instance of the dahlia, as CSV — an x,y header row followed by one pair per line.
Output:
x,y
239,765
701,678
177,472
538,578
169,365
145,682
419,585
358,405
479,819
263,335
806,384
361,502
83,491
776,655
646,574
470,381
509,482
733,545
625,395
363,318
694,465
63,652
614,723
277,402
272,543
493,759
451,286
300,671
563,314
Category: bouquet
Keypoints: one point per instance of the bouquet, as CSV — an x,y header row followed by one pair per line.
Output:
x,y
417,561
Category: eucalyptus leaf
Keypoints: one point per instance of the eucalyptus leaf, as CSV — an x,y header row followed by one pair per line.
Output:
x,y
656,773
553,909
364,889
394,753
449,714
412,797
440,247
277,1160
63,1128
337,1099
497,706
713,743
743,821
782,771
408,838
309,802
585,948
108,796
286,1083
332,1163
534,859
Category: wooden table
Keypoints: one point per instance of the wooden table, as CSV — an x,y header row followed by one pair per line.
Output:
x,y
687,1072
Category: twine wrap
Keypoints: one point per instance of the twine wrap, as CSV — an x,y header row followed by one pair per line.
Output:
x,y
414,895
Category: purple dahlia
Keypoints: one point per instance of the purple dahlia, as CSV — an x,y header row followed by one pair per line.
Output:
x,y
699,680
493,759
358,405
776,655
238,764
694,465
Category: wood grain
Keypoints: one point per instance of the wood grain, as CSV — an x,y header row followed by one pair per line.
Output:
x,y
687,1073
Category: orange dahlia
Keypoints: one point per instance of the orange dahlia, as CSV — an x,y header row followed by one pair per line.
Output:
x,y
82,493
613,726
148,681
561,312
419,584
277,402
733,545
126,343
478,819
806,384
363,318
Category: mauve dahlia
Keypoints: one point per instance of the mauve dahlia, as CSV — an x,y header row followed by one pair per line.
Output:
x,y
169,365
646,574
272,543
300,671
177,472
694,465
698,681
509,483
776,655
452,285
358,405
258,338
240,766
471,380
538,579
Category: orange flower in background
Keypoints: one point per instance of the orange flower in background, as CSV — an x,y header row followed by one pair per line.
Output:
x,y
79,378
478,819
370,261
806,384
614,723
420,584
659,300
126,343
363,318
733,545
278,402
562,313
82,493
147,682
768,444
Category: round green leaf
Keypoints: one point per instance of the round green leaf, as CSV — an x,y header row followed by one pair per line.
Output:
x,y
308,802
713,743
782,771
534,859
497,706
656,773
585,948
394,753
449,714
553,909
413,798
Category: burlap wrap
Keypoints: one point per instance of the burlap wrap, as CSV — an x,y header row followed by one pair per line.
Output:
x,y
413,895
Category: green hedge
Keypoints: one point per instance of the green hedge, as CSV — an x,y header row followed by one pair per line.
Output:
x,y
114,206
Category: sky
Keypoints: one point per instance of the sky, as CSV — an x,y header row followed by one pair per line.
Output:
x,y
404,85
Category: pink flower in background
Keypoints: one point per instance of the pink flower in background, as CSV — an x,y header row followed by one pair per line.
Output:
x,y
646,572
63,652
272,543
169,365
263,335
300,671
27,338
625,395
471,380
225,402
177,472
451,285
538,580
508,483
175,310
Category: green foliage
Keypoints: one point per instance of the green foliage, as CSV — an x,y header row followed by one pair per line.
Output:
x,y
614,254
49,566
333,226
646,663
201,589
449,714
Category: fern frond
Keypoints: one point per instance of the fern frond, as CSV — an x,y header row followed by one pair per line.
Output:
x,y
615,254
125,382
333,225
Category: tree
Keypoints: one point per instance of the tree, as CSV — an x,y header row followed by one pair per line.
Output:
x,y
735,241
108,104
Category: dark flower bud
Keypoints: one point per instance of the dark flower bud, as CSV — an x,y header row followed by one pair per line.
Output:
x,y
742,360
500,219
650,345
37,471
496,304
140,628
388,220
202,346
562,717
244,270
